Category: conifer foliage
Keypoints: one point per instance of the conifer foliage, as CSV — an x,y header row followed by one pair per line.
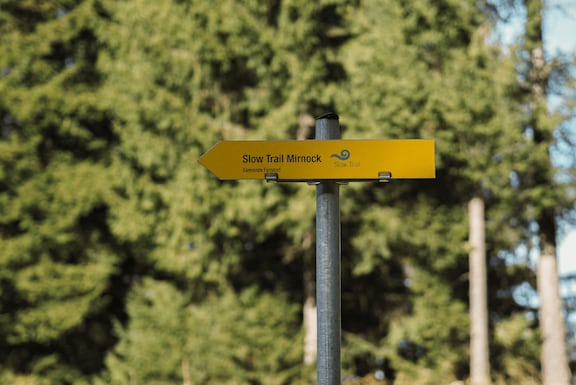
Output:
x,y
123,261
59,258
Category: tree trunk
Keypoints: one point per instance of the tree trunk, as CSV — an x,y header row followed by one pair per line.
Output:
x,y
479,357
310,330
553,354
310,322
309,310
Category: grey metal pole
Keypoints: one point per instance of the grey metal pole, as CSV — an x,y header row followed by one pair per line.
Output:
x,y
328,265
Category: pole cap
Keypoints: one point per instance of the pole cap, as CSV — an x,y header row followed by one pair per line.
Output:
x,y
328,115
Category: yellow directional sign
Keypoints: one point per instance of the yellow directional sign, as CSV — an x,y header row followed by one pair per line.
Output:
x,y
310,160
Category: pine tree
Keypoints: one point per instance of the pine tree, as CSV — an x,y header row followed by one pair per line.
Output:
x,y
545,201
58,259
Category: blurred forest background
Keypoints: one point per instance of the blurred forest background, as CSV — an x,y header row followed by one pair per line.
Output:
x,y
123,261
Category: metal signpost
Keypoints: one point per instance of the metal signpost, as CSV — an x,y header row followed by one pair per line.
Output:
x,y
328,266
325,162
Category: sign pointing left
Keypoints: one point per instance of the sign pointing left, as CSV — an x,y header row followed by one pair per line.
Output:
x,y
309,160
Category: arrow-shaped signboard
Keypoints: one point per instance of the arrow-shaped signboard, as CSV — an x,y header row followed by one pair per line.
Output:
x,y
310,160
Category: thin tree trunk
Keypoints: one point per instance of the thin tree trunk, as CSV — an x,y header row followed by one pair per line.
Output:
x,y
309,310
310,330
310,322
479,356
553,354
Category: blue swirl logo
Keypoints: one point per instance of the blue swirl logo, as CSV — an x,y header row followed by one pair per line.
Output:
x,y
344,155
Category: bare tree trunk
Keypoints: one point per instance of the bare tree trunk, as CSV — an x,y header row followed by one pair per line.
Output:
x,y
553,354
306,123
310,328
310,321
479,356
